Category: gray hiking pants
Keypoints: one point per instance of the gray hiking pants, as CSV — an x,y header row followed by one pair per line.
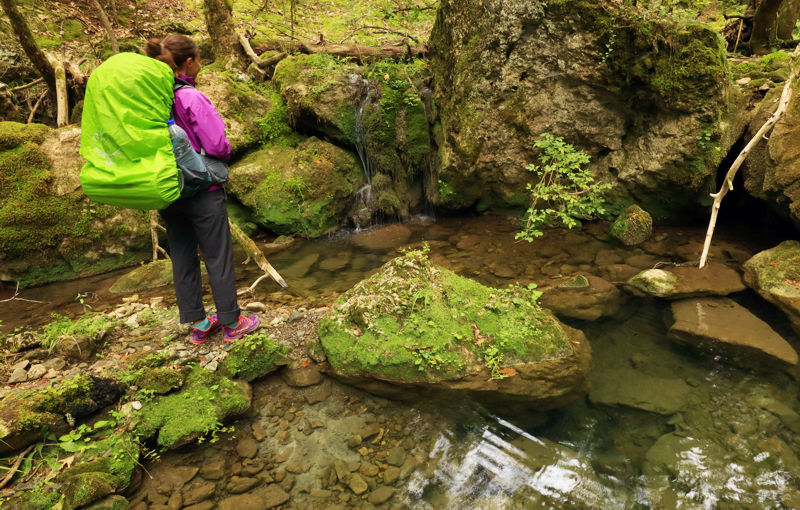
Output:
x,y
201,221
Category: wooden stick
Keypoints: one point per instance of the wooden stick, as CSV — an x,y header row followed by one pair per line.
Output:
x,y
257,255
107,25
154,233
249,51
62,103
727,185
13,469
29,85
36,106
738,35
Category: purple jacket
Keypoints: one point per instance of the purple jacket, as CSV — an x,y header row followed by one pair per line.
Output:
x,y
193,111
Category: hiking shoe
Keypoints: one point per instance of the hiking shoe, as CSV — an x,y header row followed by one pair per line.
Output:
x,y
244,326
199,336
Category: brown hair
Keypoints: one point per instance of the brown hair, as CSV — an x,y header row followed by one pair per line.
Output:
x,y
174,50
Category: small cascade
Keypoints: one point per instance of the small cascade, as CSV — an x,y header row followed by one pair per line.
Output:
x,y
364,203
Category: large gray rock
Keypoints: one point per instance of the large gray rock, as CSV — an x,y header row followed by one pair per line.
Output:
x,y
508,71
775,275
679,282
723,326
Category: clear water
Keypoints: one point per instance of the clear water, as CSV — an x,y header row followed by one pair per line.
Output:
x,y
730,441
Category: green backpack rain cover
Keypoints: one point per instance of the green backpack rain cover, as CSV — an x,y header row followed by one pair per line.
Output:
x,y
124,134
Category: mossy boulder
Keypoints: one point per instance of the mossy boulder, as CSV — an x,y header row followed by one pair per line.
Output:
x,y
159,380
586,74
253,113
775,275
147,276
679,282
49,230
24,413
633,226
206,400
416,325
305,189
379,110
254,356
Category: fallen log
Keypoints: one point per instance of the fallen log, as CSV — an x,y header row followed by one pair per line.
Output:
x,y
253,252
360,52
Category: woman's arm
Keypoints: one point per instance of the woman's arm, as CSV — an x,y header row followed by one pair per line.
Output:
x,y
205,123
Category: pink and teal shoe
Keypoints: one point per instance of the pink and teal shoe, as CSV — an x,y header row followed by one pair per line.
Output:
x,y
243,326
199,336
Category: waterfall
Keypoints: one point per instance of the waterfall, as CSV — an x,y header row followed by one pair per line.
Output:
x,y
364,198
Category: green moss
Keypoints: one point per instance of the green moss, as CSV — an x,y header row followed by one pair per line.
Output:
x,y
159,380
14,134
633,226
254,356
205,401
274,126
38,498
775,61
778,269
416,322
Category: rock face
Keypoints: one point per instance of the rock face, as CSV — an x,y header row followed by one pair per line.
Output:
x,y
507,71
49,230
415,325
723,326
775,275
584,297
298,190
633,226
688,281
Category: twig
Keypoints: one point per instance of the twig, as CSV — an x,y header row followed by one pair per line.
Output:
x,y
257,255
15,298
13,469
738,35
36,106
29,85
727,184
388,31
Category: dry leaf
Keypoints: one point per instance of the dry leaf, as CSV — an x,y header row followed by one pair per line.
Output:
x,y
507,372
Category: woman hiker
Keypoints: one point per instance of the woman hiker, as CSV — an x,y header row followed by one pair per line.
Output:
x,y
200,220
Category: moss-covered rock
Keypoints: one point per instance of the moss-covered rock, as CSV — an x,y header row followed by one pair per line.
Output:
x,y
253,113
206,400
23,414
254,356
775,275
297,190
378,110
147,276
159,380
634,226
417,325
49,230
588,74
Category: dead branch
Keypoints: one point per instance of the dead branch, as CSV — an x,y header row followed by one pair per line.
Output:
x,y
29,85
388,31
360,52
249,51
13,470
36,106
16,293
62,102
154,226
257,255
107,25
727,184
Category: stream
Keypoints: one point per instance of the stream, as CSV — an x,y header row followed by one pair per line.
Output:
x,y
726,437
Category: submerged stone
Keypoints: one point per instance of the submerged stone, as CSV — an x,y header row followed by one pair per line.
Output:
x,y
632,388
633,226
775,275
681,282
416,325
723,326
147,276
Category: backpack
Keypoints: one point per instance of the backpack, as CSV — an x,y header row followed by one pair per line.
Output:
x,y
124,136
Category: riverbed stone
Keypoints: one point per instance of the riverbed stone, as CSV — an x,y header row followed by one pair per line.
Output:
x,y
414,325
380,495
382,238
197,492
681,282
247,447
396,456
632,388
114,502
775,275
213,469
633,226
723,326
260,499
302,376
357,484
583,296
240,484
147,276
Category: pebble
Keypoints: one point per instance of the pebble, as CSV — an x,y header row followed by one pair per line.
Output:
x,y
320,493
296,316
391,475
205,505
22,365
354,441
278,320
213,470
252,467
396,457
18,375
212,366
255,306
240,484
36,372
357,484
198,492
368,469
380,495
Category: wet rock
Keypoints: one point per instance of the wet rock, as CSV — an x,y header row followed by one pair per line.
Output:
x,y
368,469
320,493
301,377
213,469
259,434
723,326
446,350
370,430
396,457
247,448
383,238
357,484
240,484
252,467
335,263
380,495
197,492
205,505
584,296
391,475
175,501
635,389
775,275
148,276
688,281
633,226
114,502
354,441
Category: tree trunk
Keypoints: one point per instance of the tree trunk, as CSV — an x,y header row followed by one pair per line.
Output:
x,y
765,26
787,19
107,25
223,34
28,44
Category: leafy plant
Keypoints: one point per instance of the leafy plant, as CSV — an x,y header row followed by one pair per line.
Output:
x,y
565,193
